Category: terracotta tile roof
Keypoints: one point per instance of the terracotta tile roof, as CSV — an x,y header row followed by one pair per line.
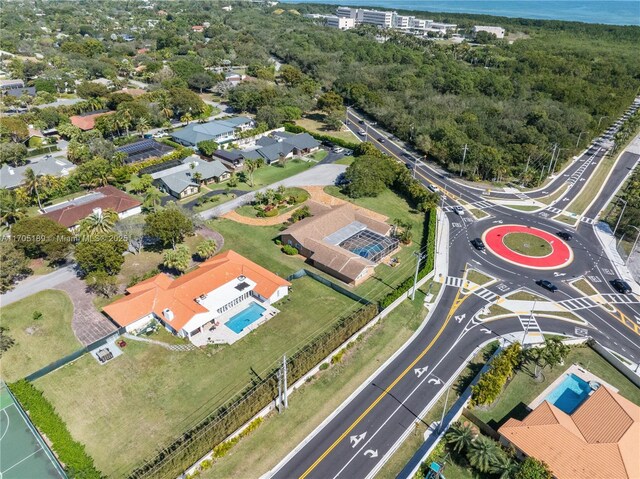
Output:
x,y
112,199
88,122
160,292
601,439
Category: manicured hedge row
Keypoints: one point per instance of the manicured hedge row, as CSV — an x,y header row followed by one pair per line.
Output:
x,y
71,453
426,264
174,459
291,128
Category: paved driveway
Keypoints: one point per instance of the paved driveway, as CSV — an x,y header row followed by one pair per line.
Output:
x,y
320,175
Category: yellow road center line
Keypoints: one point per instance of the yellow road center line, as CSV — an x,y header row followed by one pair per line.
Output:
x,y
456,303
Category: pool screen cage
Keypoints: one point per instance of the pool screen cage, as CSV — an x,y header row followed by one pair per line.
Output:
x,y
370,245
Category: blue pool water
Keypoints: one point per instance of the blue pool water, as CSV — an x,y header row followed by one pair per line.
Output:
x,y
366,251
245,317
569,394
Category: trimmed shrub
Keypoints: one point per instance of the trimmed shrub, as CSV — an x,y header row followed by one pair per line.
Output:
x,y
47,420
289,250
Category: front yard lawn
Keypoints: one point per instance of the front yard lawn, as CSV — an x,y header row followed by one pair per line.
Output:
x,y
37,342
314,122
523,388
150,395
269,174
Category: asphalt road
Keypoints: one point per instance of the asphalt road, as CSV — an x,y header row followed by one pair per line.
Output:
x,y
354,443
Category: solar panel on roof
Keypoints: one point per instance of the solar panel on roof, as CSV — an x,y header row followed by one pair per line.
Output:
x,y
242,286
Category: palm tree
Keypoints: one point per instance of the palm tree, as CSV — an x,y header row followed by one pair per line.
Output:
x,y
503,465
251,166
186,118
482,453
165,106
98,222
34,183
127,118
10,210
460,436
152,198
142,126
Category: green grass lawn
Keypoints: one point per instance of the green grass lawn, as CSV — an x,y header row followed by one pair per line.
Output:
x,y
37,342
314,123
319,155
523,207
527,244
266,175
345,160
523,388
257,453
547,200
571,221
525,296
479,214
477,277
150,395
584,286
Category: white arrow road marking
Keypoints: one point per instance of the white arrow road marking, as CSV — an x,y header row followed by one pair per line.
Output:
x,y
355,440
371,453
420,371
485,330
435,381
557,275
460,317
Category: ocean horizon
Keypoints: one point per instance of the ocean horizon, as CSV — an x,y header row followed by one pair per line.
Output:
x,y
608,12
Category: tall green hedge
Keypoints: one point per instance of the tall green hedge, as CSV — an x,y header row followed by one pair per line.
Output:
x,y
426,265
78,463
173,459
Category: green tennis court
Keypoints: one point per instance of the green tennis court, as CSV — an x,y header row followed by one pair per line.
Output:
x,y
24,454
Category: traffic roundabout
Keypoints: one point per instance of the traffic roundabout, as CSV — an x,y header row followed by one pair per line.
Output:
x,y
528,247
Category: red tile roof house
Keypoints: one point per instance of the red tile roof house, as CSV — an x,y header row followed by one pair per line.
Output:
x,y
198,28
208,298
600,439
70,213
87,121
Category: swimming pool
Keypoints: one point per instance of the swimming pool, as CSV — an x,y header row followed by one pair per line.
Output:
x,y
245,317
569,394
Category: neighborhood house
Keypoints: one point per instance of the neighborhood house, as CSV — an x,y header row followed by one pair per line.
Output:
x,y
13,176
344,241
70,213
599,439
87,121
227,292
185,179
220,131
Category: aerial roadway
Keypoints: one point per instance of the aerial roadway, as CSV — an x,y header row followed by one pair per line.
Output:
x,y
356,440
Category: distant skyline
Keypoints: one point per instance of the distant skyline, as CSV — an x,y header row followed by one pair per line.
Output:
x,y
610,12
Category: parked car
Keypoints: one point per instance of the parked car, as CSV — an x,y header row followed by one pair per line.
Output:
x,y
433,188
621,286
478,244
459,210
338,149
564,235
548,285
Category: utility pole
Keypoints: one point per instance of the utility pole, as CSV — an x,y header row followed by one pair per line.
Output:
x,y
579,136
419,257
541,174
279,399
284,381
464,155
634,244
526,330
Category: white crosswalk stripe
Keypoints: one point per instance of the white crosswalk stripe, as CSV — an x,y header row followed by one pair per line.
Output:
x,y
483,204
621,298
486,294
553,209
588,221
454,281
577,303
529,324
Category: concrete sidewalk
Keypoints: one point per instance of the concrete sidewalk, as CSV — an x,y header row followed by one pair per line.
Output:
x,y
609,246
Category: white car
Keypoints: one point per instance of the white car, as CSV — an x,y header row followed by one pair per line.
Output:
x,y
459,210
361,132
434,188
338,149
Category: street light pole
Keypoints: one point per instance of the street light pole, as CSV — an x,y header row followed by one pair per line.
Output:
x,y
602,118
579,136
634,244
619,217
464,155
556,162
553,154
446,400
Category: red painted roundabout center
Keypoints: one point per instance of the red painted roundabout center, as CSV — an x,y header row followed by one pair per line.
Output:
x,y
528,247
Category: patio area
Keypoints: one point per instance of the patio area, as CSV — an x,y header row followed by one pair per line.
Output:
x,y
218,332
